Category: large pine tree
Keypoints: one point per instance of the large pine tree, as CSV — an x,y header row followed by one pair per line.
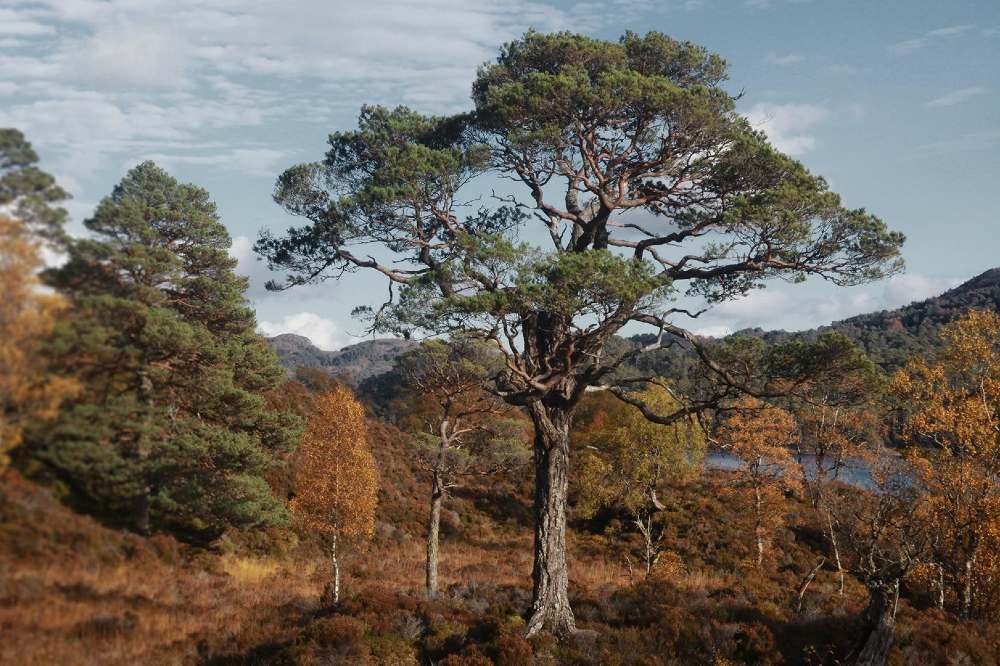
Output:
x,y
172,430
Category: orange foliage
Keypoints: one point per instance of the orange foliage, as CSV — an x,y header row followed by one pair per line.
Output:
x,y
28,390
761,435
337,481
954,422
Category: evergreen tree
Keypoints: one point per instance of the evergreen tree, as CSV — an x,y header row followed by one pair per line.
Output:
x,y
633,180
172,429
27,192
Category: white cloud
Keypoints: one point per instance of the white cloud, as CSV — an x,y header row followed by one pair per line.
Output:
x,y
251,161
130,56
905,289
957,97
750,307
22,24
916,43
250,265
321,331
793,308
766,4
950,31
713,331
412,45
755,309
126,79
787,59
788,125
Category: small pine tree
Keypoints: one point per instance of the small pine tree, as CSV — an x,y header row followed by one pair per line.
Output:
x,y
172,429
336,481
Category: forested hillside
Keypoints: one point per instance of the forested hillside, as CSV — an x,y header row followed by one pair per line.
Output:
x,y
891,336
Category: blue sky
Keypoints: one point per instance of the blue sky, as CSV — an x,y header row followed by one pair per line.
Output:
x,y
897,103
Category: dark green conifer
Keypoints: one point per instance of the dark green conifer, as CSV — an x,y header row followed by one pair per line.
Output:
x,y
172,430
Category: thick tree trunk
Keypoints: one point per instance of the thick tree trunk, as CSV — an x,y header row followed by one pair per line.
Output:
x,y
433,531
880,619
550,609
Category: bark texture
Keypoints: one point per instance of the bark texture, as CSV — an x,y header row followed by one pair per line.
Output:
x,y
880,621
433,532
550,610
331,594
966,611
759,525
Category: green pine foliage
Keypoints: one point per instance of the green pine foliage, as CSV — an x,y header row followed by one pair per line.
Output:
x,y
30,194
173,431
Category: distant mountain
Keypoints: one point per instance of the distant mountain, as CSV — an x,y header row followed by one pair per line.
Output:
x,y
354,363
889,337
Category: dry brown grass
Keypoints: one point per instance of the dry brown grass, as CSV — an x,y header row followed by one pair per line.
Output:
x,y
73,592
89,595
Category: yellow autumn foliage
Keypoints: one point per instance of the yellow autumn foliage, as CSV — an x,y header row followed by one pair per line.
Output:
x,y
29,391
337,481
761,437
953,424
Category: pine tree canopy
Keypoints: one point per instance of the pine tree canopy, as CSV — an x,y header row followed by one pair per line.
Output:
x,y
172,429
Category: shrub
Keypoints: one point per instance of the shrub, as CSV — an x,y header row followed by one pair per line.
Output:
x,y
392,650
341,632
513,651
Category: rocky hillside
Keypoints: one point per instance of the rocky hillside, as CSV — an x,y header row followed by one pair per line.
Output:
x,y
354,363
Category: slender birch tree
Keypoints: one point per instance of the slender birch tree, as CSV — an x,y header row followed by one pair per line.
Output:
x,y
761,437
953,425
336,483
460,429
